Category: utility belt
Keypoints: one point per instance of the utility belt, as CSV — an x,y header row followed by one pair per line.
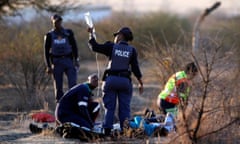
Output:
x,y
63,56
120,73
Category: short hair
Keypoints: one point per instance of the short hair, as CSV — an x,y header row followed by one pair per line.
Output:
x,y
191,67
92,76
56,17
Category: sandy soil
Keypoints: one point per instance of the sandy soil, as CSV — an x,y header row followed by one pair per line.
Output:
x,y
12,131
14,128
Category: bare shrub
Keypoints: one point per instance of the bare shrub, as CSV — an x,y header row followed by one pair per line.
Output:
x,y
23,66
210,111
213,108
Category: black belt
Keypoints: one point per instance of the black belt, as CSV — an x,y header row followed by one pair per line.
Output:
x,y
62,56
125,74
120,75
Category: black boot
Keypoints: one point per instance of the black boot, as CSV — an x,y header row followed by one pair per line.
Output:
x,y
35,129
107,131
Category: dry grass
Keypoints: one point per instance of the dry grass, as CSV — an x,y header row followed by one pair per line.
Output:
x,y
138,106
21,120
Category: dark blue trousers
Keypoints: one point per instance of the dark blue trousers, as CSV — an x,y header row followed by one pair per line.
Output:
x,y
116,89
61,66
65,115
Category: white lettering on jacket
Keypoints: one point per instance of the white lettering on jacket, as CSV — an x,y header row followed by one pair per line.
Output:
x,y
122,53
60,41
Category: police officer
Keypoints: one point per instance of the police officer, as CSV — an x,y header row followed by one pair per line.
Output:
x,y
117,85
61,55
77,105
176,89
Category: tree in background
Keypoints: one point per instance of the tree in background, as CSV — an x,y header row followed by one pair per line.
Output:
x,y
22,64
12,7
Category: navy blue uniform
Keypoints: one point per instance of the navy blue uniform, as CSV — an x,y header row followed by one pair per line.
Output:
x,y
60,53
76,106
118,86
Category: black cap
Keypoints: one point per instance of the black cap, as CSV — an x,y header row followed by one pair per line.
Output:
x,y
56,17
127,33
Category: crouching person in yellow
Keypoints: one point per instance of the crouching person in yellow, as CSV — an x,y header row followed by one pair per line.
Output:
x,y
177,88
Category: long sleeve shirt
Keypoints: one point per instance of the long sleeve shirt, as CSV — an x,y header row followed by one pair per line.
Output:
x,y
48,44
107,48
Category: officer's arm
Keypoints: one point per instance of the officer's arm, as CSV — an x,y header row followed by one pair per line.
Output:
x,y
135,66
47,46
105,48
136,70
73,43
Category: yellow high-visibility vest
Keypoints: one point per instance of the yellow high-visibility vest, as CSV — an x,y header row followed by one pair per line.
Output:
x,y
170,93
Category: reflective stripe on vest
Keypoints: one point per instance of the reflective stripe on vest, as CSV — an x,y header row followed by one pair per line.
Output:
x,y
82,103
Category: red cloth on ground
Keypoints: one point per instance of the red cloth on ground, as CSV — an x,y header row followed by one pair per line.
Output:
x,y
43,117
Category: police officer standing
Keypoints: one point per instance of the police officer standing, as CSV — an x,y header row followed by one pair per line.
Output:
x,y
61,55
117,84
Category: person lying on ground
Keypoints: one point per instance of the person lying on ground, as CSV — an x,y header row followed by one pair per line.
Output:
x,y
150,126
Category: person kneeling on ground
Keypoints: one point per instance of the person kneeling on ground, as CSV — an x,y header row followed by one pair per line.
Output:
x,y
77,106
177,89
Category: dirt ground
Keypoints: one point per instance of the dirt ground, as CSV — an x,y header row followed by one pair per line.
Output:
x,y
14,129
